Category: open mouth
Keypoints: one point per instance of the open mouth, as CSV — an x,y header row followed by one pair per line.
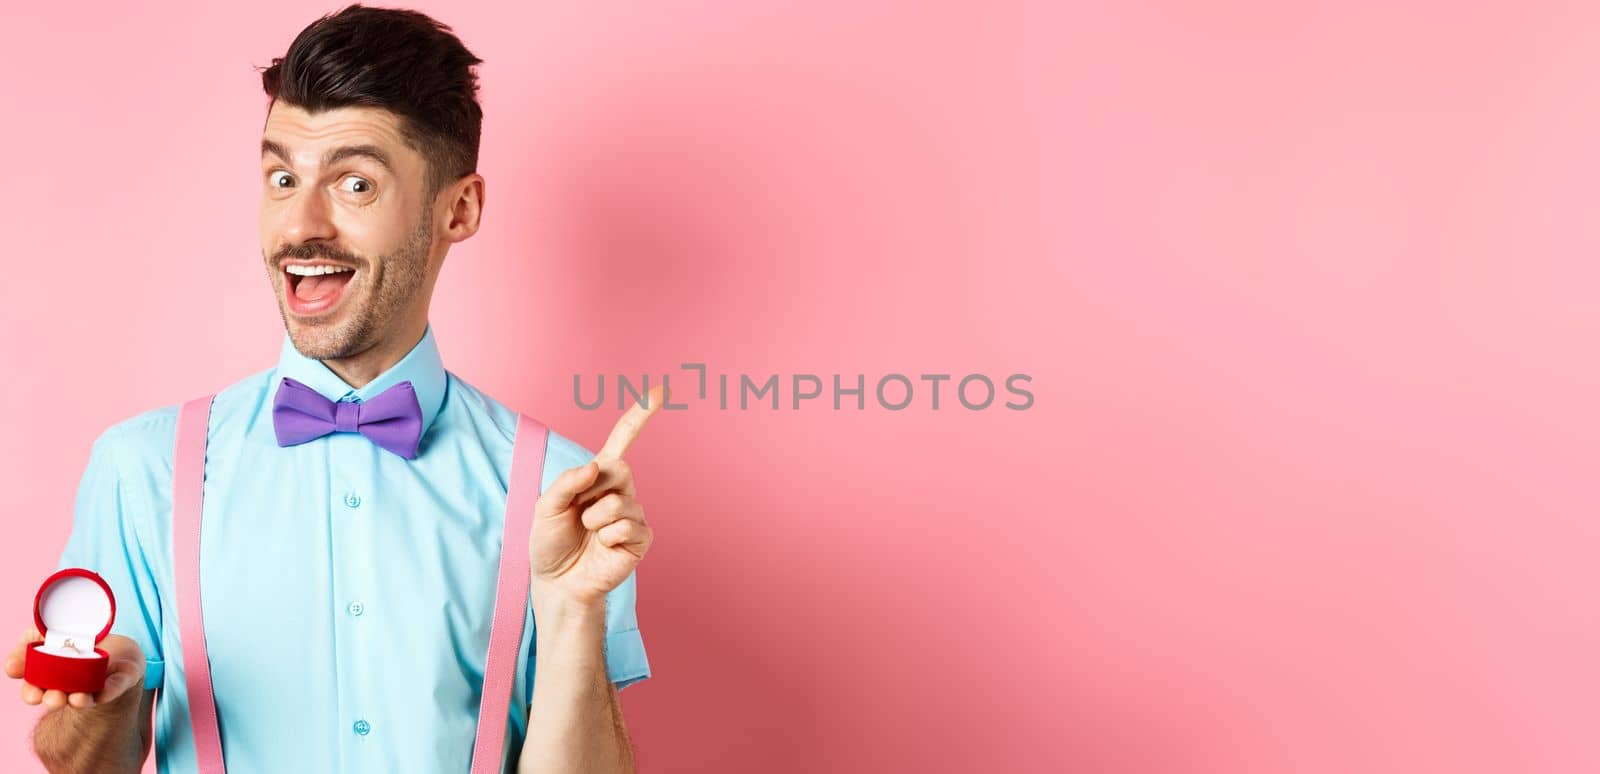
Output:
x,y
314,290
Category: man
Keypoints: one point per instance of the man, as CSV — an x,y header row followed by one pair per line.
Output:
x,y
350,574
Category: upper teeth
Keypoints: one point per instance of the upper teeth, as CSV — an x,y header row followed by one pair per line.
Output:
x,y
311,271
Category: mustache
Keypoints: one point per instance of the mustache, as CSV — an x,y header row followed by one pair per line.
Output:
x,y
310,250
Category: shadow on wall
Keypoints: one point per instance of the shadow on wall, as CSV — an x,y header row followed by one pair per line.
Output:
x,y
779,639
657,241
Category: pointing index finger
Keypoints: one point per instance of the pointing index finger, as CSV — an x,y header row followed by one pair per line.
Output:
x,y
632,421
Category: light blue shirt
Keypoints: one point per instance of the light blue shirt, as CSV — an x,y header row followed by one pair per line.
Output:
x,y
347,591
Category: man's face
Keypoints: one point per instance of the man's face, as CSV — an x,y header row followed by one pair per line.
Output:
x,y
342,189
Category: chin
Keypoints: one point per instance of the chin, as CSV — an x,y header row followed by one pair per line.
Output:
x,y
318,340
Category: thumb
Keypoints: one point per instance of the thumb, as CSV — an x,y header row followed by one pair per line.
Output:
x,y
126,669
117,683
566,488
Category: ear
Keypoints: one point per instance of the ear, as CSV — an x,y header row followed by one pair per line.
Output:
x,y
462,202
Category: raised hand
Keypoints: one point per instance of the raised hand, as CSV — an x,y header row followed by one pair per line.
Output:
x,y
588,529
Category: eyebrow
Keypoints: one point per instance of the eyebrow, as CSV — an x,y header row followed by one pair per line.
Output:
x,y
334,155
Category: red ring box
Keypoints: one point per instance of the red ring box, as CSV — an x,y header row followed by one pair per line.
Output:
x,y
72,603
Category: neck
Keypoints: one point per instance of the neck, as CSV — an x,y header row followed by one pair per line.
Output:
x,y
360,369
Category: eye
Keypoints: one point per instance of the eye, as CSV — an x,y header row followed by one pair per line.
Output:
x,y
280,179
355,185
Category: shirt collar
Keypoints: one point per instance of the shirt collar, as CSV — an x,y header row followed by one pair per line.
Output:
x,y
421,365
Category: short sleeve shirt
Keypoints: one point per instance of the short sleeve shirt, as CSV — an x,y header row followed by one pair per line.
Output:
x,y
347,591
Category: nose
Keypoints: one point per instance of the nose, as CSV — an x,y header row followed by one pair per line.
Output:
x,y
308,216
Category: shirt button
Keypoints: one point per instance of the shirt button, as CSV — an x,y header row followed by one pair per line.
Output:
x,y
363,727
353,500
355,608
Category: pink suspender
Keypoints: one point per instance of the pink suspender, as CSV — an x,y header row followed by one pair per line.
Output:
x,y
510,604
510,596
188,475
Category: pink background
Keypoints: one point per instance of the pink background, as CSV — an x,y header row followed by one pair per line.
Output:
x,y
1307,294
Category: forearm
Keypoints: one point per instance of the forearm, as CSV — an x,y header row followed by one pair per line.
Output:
x,y
102,738
575,722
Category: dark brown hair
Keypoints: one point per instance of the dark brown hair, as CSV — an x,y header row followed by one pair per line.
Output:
x,y
399,60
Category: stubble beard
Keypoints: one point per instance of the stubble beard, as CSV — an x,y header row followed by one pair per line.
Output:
x,y
391,293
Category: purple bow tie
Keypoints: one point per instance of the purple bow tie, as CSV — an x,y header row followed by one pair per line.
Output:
x,y
392,419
